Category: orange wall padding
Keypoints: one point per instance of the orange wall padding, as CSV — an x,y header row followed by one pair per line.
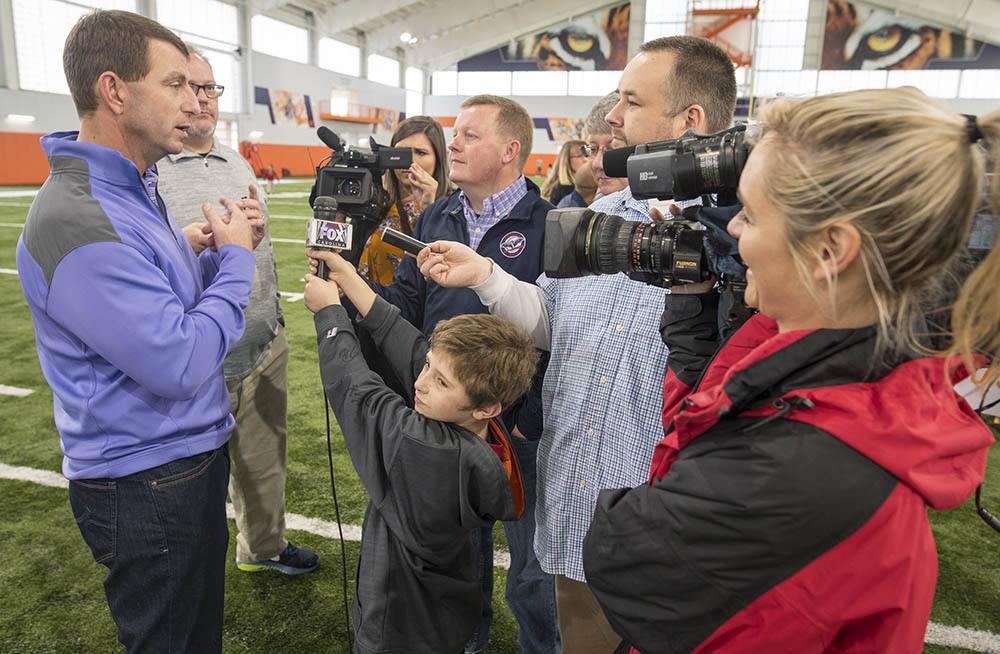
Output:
x,y
23,160
531,168
299,160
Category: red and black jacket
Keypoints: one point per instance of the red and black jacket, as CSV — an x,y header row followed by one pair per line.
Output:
x,y
786,505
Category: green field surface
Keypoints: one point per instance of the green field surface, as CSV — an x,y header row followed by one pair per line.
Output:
x,y
52,589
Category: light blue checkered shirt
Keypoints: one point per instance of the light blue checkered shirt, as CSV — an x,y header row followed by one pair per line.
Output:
x,y
602,397
495,208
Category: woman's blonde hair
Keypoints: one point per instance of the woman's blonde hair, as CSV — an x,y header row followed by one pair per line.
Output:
x,y
975,318
898,166
561,172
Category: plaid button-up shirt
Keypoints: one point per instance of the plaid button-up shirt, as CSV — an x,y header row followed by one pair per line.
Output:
x,y
602,398
495,208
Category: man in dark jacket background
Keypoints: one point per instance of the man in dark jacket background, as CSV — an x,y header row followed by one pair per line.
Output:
x,y
500,214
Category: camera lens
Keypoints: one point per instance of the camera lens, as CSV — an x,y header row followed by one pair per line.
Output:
x,y
351,187
609,244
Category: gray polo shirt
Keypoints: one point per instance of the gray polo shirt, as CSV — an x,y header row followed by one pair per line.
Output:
x,y
188,180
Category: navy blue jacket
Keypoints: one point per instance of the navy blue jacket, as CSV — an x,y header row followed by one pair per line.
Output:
x,y
516,244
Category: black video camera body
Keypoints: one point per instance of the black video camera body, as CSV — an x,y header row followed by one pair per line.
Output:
x,y
684,168
353,178
687,250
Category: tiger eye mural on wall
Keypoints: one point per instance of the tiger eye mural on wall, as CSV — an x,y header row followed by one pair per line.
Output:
x,y
595,41
858,37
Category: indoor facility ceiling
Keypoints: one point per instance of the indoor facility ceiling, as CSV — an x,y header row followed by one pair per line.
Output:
x,y
447,31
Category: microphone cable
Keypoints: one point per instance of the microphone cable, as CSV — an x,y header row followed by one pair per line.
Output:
x,y
340,529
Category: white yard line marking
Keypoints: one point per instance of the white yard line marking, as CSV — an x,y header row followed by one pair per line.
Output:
x,y
301,241
293,521
292,297
23,205
8,271
970,639
18,225
22,194
288,216
15,391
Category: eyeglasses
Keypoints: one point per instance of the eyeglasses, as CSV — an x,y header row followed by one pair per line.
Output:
x,y
582,154
212,91
591,152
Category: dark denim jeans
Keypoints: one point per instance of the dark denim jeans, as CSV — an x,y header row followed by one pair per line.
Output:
x,y
531,593
162,534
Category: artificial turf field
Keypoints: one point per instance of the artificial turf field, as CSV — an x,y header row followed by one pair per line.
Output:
x,y
53,600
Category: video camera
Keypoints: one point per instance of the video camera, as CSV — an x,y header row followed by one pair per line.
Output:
x,y
350,181
686,250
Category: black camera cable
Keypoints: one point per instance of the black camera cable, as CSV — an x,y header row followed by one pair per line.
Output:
x,y
340,528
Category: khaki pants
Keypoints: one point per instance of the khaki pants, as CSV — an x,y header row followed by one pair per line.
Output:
x,y
583,627
258,448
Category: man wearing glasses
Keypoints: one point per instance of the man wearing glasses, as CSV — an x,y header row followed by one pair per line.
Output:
x,y
599,141
256,367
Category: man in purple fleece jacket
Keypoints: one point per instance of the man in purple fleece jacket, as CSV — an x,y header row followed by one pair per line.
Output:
x,y
131,331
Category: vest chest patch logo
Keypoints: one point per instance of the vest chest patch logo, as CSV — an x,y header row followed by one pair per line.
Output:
x,y
512,244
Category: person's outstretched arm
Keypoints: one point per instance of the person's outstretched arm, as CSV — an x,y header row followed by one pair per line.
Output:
x,y
454,264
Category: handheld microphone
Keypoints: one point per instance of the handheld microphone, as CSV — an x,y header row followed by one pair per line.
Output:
x,y
402,241
325,233
329,138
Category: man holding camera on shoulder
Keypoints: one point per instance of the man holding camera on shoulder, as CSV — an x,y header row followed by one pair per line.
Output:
x,y
602,393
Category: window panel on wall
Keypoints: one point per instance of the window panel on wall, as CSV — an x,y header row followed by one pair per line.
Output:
x,y
280,39
666,11
474,83
40,30
383,70
209,18
781,33
414,103
593,82
836,81
539,82
979,84
779,58
444,82
935,83
784,10
414,79
339,57
656,30
792,82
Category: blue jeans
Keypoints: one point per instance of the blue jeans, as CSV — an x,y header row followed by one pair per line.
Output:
x,y
162,534
530,592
